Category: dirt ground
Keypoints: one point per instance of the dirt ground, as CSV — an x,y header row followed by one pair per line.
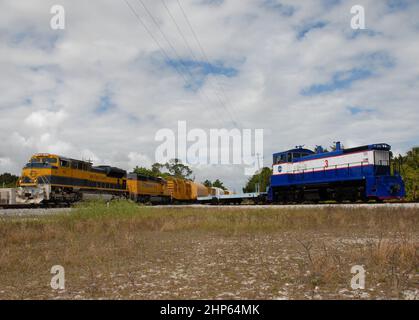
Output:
x,y
129,252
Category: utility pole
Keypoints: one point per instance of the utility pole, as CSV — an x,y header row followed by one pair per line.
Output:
x,y
260,173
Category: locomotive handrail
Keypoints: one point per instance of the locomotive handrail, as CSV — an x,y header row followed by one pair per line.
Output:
x,y
44,180
334,167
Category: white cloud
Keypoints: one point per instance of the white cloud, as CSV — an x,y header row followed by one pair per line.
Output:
x,y
45,118
5,164
138,159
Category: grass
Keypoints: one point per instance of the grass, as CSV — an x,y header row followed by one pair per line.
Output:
x,y
136,252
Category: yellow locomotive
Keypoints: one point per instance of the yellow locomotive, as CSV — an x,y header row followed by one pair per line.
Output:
x,y
52,178
147,189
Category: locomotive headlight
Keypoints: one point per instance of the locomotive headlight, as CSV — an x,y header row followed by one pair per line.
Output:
x,y
395,188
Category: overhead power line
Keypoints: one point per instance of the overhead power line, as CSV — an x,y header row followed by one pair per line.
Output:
x,y
179,30
204,55
161,48
163,51
216,92
177,55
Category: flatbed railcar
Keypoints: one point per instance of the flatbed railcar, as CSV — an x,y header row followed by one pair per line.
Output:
x,y
361,173
239,198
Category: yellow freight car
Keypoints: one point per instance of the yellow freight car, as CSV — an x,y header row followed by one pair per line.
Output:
x,y
185,190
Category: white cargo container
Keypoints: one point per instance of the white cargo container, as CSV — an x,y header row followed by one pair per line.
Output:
x,y
8,196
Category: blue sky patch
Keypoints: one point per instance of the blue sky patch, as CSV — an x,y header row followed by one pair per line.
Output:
x,y
19,37
196,71
105,103
308,27
283,9
212,2
340,80
377,59
330,3
353,34
45,42
355,110
397,5
368,65
27,101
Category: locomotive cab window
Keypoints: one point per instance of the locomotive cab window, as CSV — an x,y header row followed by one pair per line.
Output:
x,y
381,158
280,158
48,160
64,163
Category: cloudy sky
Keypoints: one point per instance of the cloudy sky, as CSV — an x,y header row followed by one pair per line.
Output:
x,y
101,88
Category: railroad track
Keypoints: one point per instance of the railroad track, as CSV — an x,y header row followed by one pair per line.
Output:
x,y
28,211
198,205
297,206
32,206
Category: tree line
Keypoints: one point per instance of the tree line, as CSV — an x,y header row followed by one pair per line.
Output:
x,y
175,168
8,180
408,165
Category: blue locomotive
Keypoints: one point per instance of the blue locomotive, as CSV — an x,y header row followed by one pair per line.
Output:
x,y
361,173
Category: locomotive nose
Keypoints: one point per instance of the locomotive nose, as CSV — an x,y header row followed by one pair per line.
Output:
x,y
26,179
395,189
